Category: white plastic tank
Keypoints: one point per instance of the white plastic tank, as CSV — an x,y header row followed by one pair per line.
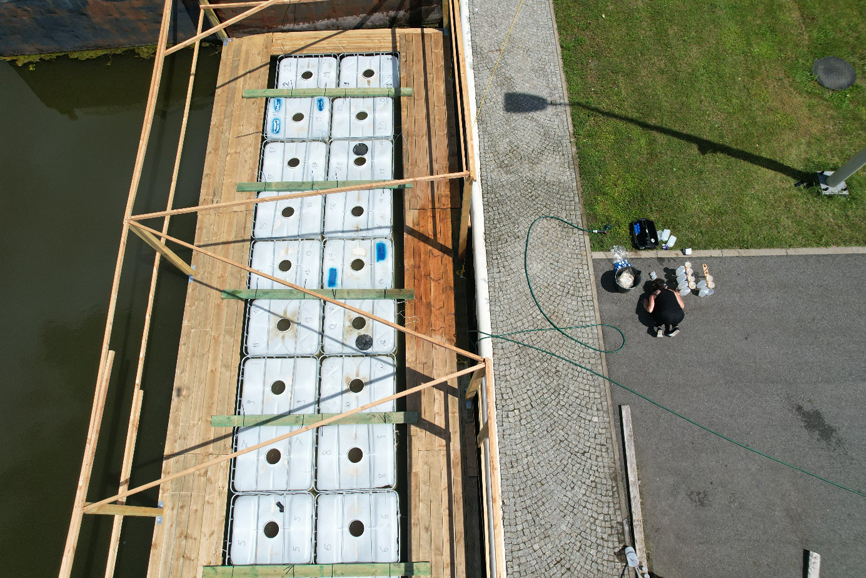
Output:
x,y
371,70
363,117
274,387
352,457
359,214
358,264
284,327
291,218
298,118
307,72
294,161
272,529
347,333
357,527
298,262
361,160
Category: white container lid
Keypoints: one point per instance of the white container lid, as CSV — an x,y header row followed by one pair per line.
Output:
x,y
376,70
298,118
347,333
298,262
262,534
296,218
307,72
350,382
284,327
361,160
358,264
359,214
357,527
356,457
294,161
363,117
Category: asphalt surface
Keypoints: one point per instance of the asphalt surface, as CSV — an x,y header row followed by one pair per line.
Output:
x,y
774,360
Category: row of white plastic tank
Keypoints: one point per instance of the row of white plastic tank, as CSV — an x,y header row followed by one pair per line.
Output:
x,y
325,495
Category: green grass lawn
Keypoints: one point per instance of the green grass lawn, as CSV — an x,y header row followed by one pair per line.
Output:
x,y
702,115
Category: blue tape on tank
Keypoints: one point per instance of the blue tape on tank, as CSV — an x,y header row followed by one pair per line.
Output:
x,y
332,277
381,251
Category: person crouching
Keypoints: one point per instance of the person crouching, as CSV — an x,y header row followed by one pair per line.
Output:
x,y
666,307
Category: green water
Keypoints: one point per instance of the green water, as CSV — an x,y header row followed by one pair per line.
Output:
x,y
70,130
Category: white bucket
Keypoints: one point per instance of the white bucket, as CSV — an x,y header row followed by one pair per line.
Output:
x,y
307,72
376,70
298,118
298,262
357,527
284,327
262,534
347,333
363,117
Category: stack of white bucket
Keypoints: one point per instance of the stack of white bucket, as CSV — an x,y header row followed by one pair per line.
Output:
x,y
325,495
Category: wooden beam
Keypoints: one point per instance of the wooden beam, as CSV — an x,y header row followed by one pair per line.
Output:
x,y
403,294
465,205
495,480
464,114
213,19
124,510
231,456
319,570
366,418
230,5
482,435
373,185
362,92
445,15
474,384
342,304
260,186
633,485
814,568
160,248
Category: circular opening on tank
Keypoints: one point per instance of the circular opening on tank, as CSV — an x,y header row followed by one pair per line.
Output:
x,y
284,324
356,528
306,75
355,456
362,115
298,117
294,162
369,73
360,161
356,385
360,149
273,456
357,211
285,265
278,387
272,529
364,342
288,212
359,323
357,264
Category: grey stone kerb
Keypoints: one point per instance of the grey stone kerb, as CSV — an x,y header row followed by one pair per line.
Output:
x,y
561,502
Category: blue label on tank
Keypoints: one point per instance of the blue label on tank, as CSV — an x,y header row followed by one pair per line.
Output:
x,y
332,277
320,104
381,251
278,104
275,126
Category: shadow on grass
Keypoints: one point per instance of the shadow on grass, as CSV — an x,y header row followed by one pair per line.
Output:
x,y
521,102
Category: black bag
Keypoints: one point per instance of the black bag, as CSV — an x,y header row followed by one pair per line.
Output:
x,y
643,234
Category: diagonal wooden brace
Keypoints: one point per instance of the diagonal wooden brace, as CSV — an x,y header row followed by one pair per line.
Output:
x,y
160,248
474,384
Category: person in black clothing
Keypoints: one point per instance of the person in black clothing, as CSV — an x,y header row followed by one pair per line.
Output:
x,y
666,307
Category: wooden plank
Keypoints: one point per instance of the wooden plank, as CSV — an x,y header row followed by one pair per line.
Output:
x,y
814,568
465,205
339,41
255,187
401,91
213,19
319,570
402,294
474,384
160,248
124,510
633,485
308,418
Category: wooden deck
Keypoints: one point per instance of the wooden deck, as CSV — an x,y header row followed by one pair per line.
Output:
x,y
192,532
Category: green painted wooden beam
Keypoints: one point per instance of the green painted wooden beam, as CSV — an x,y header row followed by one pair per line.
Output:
x,y
302,419
318,570
332,92
332,293
297,186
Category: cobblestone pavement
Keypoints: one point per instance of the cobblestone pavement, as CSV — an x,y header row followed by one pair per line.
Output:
x,y
561,500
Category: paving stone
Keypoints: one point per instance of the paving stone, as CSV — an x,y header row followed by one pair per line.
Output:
x,y
561,504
